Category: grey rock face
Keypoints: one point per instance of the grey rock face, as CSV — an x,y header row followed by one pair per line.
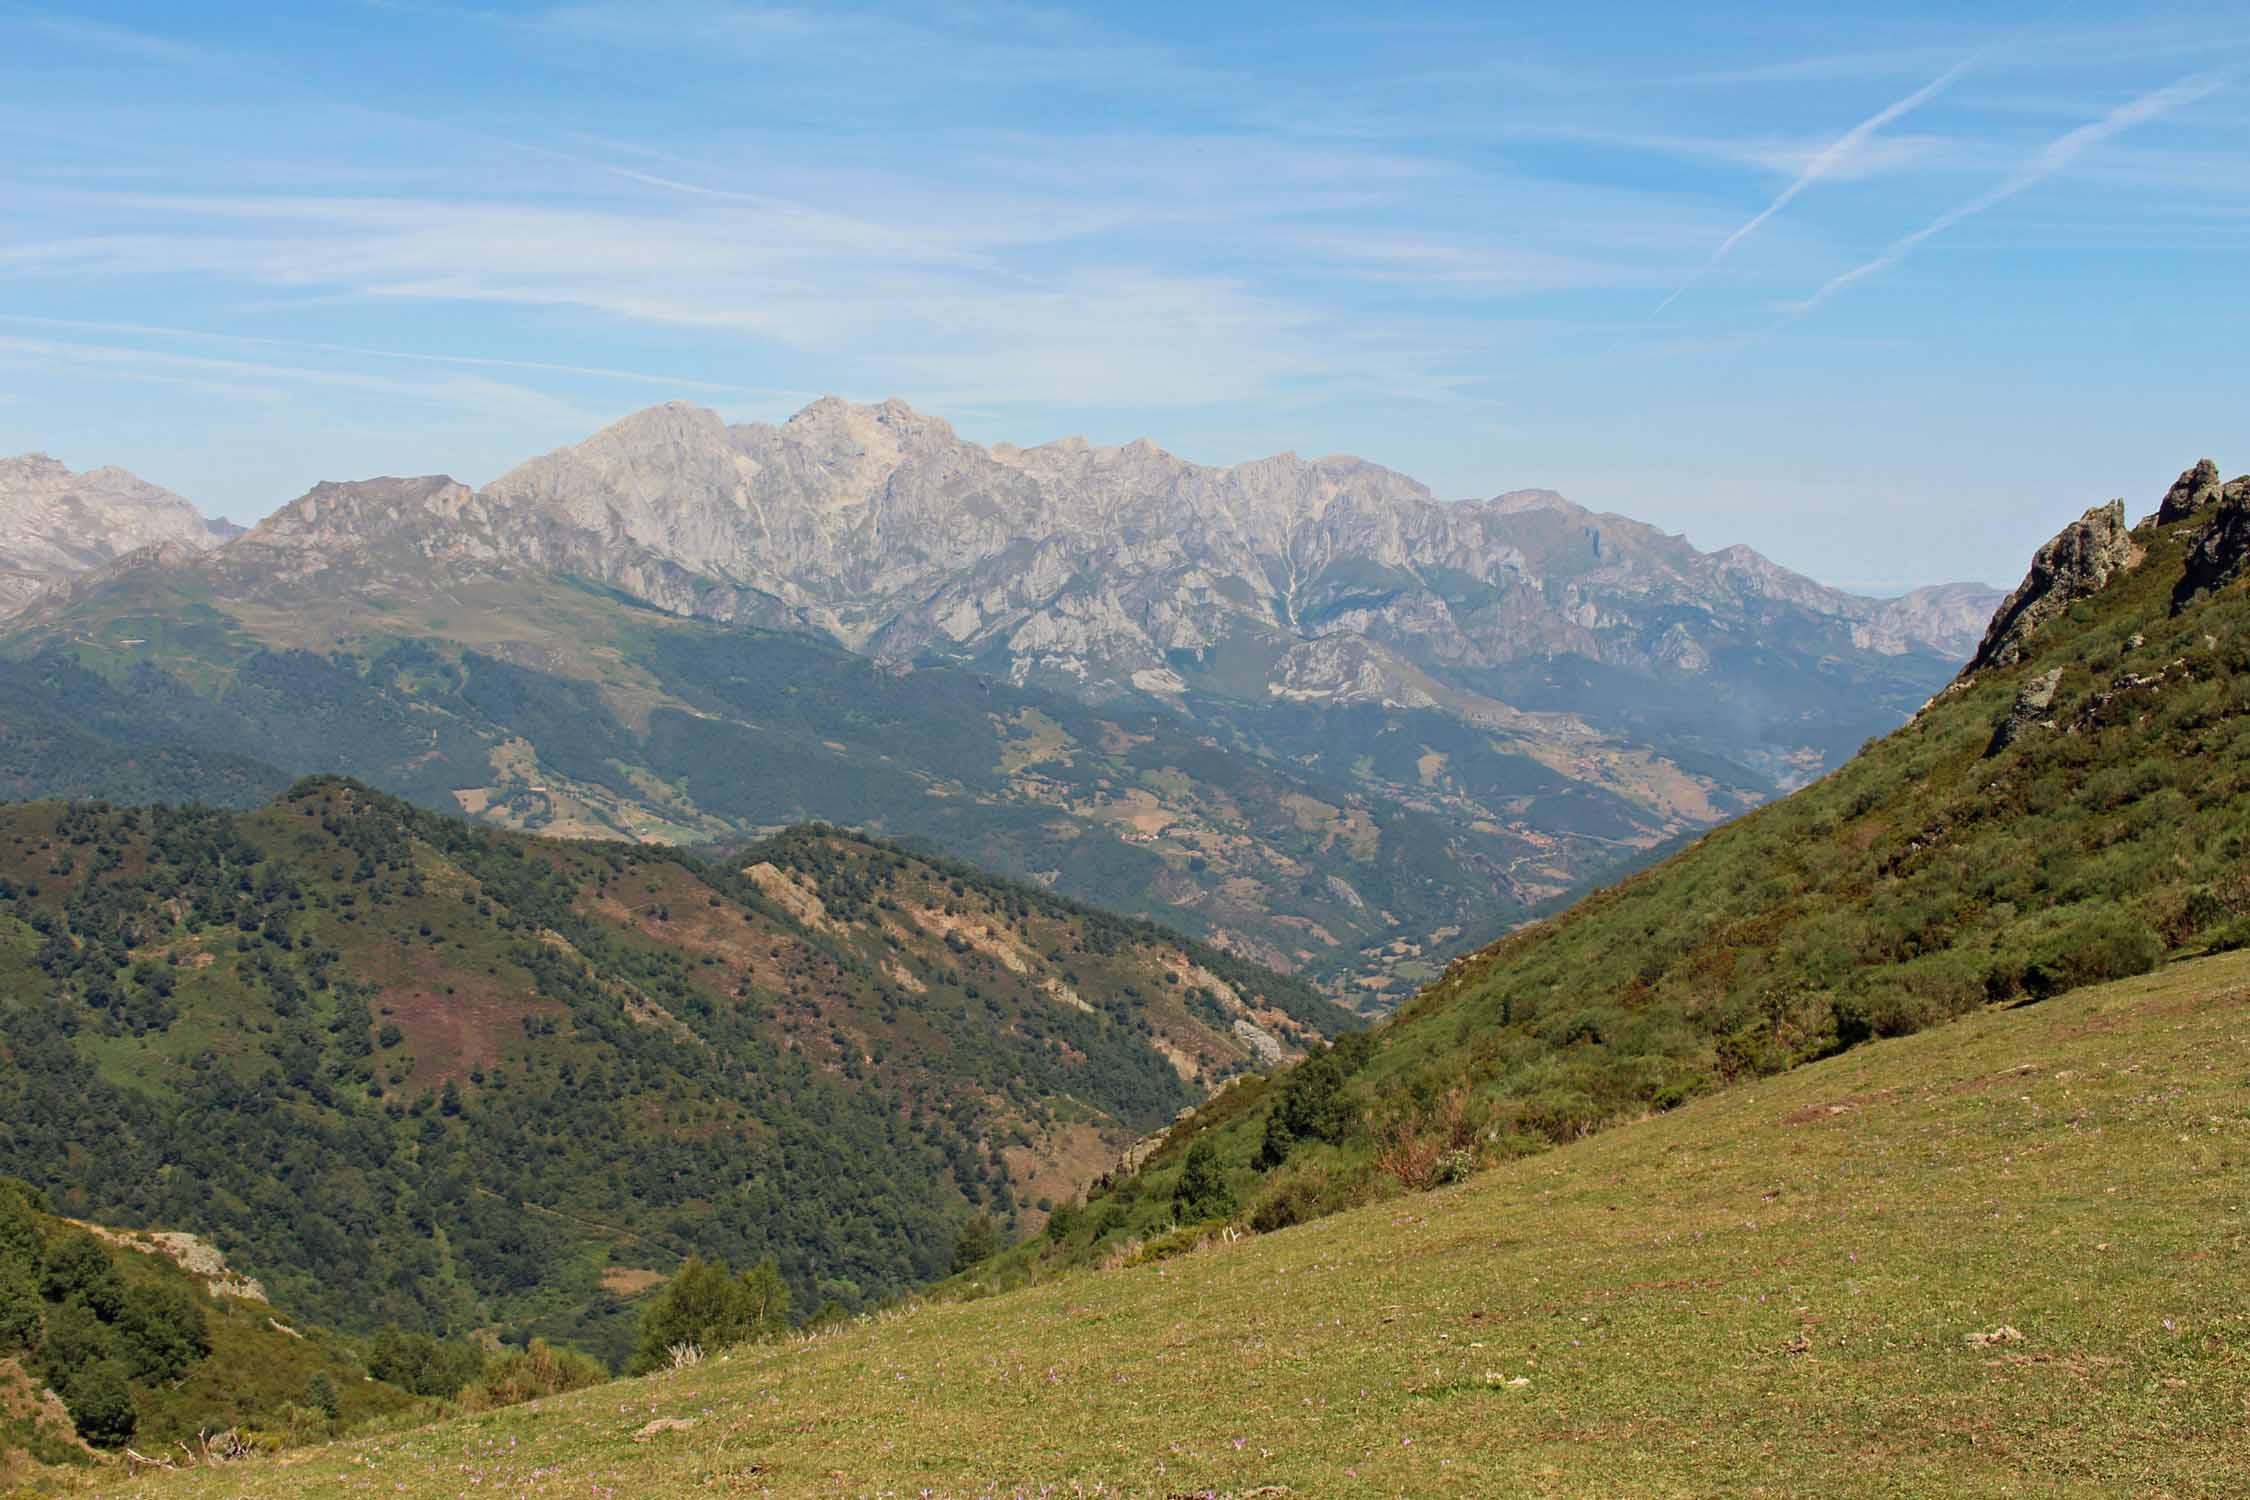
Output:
x,y
2078,562
2189,493
1082,566
1094,569
55,524
2222,553
1948,617
2028,711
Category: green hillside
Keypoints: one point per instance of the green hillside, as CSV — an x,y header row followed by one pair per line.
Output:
x,y
2003,1257
1947,868
403,1069
547,706
111,1340
561,709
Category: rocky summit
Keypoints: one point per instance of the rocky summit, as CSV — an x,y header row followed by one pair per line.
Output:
x,y
55,524
1110,572
2081,558
1121,568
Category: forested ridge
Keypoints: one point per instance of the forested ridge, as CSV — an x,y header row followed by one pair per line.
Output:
x,y
411,1071
594,718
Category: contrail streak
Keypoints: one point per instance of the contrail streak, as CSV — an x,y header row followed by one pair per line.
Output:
x,y
2045,163
1834,155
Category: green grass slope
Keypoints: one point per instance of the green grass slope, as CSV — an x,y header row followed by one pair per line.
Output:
x,y
401,1068
2002,1257
1936,874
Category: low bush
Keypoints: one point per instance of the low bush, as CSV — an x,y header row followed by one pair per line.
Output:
x,y
711,1307
1422,1145
1297,1198
1184,1240
422,1365
539,1370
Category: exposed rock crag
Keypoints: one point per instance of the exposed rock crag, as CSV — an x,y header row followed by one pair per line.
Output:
x,y
2029,711
2077,563
2189,493
2221,554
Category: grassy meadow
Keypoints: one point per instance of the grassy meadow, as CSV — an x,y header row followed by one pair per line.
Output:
x,y
2003,1257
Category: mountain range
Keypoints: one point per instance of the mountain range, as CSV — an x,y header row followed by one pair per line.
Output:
x,y
1300,707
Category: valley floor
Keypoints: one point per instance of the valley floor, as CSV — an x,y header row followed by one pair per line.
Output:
x,y
2004,1257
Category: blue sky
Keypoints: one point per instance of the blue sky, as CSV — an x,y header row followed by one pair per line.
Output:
x,y
1887,292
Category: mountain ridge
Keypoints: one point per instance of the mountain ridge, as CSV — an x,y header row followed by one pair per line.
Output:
x,y
55,523
1540,693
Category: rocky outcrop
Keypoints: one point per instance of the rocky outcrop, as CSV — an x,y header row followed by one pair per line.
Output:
x,y
2079,562
55,524
2191,492
2221,554
2029,711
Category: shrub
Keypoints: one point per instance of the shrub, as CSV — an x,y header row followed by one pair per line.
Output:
x,y
1749,1051
21,1243
1557,1114
422,1365
2080,945
160,1332
1309,1105
74,1341
100,1401
1416,1144
1296,1199
538,1370
709,1306
1884,1012
977,1240
1182,1241
20,1309
78,1267
1203,1191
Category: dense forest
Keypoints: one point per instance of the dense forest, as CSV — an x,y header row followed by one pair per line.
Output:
x,y
410,1071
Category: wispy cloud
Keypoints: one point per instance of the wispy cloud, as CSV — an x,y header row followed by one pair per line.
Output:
x,y
275,382
1835,157
82,34
2051,158
941,47
469,361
